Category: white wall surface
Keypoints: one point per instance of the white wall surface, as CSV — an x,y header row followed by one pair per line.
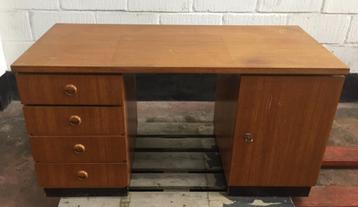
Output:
x,y
334,23
2,59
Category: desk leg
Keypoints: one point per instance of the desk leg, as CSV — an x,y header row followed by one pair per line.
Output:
x,y
130,113
227,91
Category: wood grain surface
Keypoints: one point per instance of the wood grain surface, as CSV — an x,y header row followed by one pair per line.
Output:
x,y
46,89
96,149
178,49
130,114
66,175
227,94
290,118
54,121
340,157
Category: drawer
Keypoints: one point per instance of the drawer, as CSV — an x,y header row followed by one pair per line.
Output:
x,y
79,149
73,121
82,175
69,89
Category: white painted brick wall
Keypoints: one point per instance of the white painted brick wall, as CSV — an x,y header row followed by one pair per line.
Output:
x,y
42,21
94,4
127,18
324,28
15,26
13,50
290,5
333,23
341,6
203,19
29,4
159,5
225,5
347,54
255,19
353,32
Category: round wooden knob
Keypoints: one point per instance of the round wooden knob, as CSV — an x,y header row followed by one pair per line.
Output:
x,y
70,90
74,120
82,175
79,148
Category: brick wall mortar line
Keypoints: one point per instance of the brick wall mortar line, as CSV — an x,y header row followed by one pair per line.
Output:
x,y
349,29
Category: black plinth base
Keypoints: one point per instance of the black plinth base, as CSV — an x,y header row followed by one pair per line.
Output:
x,y
268,191
78,192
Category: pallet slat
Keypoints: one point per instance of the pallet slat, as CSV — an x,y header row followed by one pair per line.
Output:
x,y
175,128
181,162
340,157
333,196
176,161
175,144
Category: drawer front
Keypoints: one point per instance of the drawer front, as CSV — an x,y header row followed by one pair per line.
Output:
x,y
82,175
79,149
70,89
72,121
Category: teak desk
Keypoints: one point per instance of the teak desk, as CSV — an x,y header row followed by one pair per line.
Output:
x,y
277,93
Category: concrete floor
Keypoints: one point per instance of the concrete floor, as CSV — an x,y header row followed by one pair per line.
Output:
x,y
175,199
18,183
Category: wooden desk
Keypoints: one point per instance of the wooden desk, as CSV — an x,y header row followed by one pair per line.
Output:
x,y
277,93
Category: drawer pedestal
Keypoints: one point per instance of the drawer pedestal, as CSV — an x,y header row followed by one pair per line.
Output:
x,y
81,128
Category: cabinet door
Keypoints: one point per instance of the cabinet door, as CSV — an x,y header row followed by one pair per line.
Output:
x,y
289,119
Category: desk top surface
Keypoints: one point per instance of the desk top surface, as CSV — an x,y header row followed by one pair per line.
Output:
x,y
178,49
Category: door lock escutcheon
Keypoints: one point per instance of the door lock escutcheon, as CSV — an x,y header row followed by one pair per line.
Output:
x,y
248,138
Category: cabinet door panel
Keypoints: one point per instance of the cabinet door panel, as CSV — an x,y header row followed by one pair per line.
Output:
x,y
290,118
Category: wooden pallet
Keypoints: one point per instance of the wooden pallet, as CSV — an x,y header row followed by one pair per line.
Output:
x,y
184,163
340,157
334,196
329,196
